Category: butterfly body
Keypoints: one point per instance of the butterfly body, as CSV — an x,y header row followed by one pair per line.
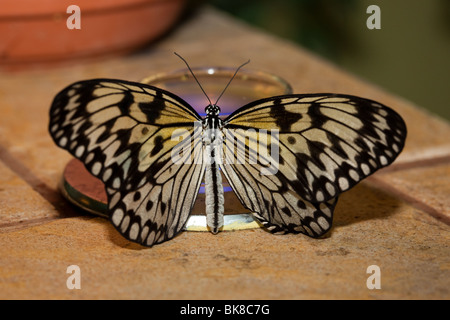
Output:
x,y
287,158
214,196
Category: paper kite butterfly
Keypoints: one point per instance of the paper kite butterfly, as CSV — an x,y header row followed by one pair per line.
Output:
x,y
287,158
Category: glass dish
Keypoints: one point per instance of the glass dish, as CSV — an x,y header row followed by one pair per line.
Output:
x,y
247,86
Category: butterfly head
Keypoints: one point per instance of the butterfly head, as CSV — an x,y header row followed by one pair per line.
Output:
x,y
212,110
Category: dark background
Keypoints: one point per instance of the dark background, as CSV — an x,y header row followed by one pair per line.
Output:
x,y
409,56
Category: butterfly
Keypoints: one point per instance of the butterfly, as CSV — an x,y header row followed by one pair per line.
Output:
x,y
287,158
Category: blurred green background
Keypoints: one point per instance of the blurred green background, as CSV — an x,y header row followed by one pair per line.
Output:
x,y
409,56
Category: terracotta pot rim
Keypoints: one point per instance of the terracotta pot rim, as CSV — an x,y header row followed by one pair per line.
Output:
x,y
26,9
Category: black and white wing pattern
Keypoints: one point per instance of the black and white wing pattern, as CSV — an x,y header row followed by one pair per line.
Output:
x,y
125,134
288,158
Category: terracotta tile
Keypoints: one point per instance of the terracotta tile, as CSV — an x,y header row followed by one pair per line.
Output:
x,y
428,186
371,227
19,203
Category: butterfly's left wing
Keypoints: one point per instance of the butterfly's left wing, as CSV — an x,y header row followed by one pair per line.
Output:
x,y
288,158
129,135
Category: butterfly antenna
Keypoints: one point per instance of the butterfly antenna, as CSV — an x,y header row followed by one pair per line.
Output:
x,y
194,77
237,70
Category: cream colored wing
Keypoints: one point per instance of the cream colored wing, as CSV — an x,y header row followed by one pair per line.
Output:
x,y
125,134
288,158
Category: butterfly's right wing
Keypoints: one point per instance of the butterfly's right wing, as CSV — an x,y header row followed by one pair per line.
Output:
x,y
127,135
288,158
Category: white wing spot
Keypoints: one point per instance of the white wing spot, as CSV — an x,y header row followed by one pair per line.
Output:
x,y
56,111
330,188
89,158
325,210
63,142
308,231
96,168
116,183
382,112
323,223
114,200
144,232
59,134
107,174
80,151
383,160
151,238
343,183
134,231
319,196
54,128
354,175
73,144
365,168
125,223
117,217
